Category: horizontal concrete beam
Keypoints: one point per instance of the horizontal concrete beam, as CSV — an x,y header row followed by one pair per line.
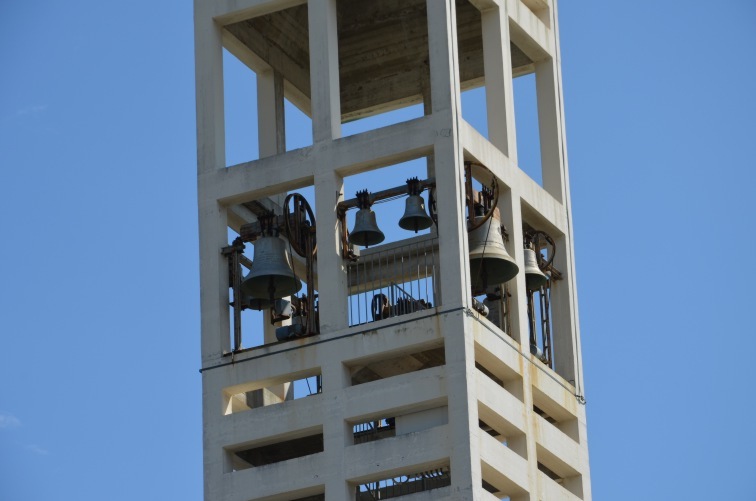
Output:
x,y
500,354
266,482
270,424
349,155
232,11
281,362
391,457
556,450
554,395
394,396
549,489
528,32
499,408
502,467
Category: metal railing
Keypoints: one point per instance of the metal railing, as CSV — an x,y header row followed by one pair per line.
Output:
x,y
393,280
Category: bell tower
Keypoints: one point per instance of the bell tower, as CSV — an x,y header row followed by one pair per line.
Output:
x,y
351,351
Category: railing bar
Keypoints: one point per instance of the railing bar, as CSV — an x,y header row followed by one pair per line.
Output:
x,y
361,294
425,269
349,296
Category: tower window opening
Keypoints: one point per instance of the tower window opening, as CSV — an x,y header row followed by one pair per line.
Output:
x,y
276,452
391,270
280,278
282,391
540,275
373,430
404,485
374,370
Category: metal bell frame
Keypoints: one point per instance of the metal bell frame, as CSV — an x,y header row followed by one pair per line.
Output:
x,y
298,224
364,200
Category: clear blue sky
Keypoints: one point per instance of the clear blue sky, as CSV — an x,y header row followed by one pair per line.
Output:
x,y
99,323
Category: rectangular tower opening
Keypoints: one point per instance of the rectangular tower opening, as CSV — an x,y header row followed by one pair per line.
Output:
x,y
271,453
400,423
240,110
395,365
528,132
471,68
298,127
551,327
566,477
403,485
391,247
272,282
283,389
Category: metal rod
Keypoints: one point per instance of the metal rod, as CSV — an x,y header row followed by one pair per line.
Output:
x,y
382,195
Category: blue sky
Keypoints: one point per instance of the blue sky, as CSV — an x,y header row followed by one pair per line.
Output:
x,y
99,324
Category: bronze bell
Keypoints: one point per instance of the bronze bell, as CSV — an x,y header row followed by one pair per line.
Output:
x,y
490,263
534,277
415,218
271,275
366,231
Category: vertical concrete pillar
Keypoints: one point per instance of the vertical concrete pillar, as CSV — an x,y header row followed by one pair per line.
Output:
x,y
447,154
511,218
336,432
271,139
324,70
212,217
497,63
511,213
332,278
549,127
455,276
271,122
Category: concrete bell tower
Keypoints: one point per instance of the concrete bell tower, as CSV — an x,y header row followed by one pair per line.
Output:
x,y
431,375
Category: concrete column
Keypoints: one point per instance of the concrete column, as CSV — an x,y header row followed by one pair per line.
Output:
x,y
447,154
497,64
336,432
461,379
212,218
563,320
332,277
511,218
550,129
208,68
271,123
271,134
569,246
448,162
511,215
324,70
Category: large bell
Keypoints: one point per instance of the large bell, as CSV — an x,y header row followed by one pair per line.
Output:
x,y
271,275
490,263
415,218
534,277
366,231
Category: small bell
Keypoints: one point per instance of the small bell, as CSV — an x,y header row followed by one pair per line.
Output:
x,y
415,218
366,231
534,277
